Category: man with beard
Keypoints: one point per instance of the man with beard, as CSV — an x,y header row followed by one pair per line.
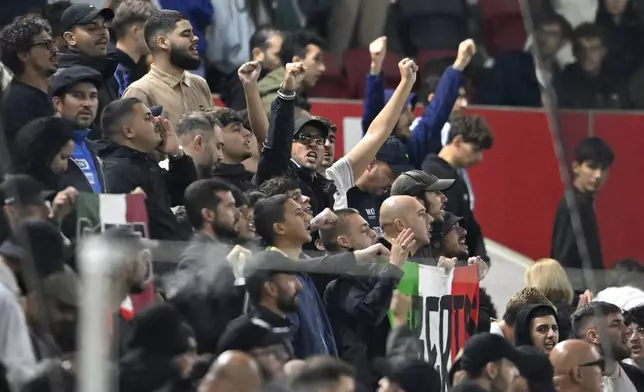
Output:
x,y
133,133
490,363
578,367
237,148
173,44
537,326
28,50
272,287
452,242
85,32
131,48
202,139
74,93
206,292
329,147
602,325
351,232
591,165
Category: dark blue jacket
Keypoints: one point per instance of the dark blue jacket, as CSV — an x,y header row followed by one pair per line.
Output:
x,y
199,12
426,136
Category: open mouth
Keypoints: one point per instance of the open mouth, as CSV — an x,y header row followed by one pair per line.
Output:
x,y
193,49
312,157
549,345
462,241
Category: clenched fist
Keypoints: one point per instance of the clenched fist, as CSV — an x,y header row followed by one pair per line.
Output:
x,y
408,70
293,76
466,50
249,72
377,50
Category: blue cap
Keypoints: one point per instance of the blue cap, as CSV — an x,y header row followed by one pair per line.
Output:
x,y
394,153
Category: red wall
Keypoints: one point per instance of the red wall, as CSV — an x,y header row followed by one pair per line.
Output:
x,y
518,184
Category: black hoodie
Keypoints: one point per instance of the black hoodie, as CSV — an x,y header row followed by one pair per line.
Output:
x,y
235,174
523,327
109,88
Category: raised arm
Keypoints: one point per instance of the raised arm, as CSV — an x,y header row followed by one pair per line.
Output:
x,y
249,75
380,129
374,99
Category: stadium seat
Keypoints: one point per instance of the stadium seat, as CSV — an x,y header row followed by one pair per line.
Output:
x,y
502,26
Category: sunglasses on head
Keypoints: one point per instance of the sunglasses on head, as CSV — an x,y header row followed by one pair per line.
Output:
x,y
307,139
600,362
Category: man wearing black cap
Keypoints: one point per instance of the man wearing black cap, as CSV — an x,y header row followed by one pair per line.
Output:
x,y
451,243
87,39
408,375
74,92
272,286
490,362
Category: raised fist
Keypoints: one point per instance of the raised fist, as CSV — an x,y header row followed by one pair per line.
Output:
x,y
249,72
408,70
293,76
378,49
466,50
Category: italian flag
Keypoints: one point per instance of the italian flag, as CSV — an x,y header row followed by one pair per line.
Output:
x,y
444,311
96,213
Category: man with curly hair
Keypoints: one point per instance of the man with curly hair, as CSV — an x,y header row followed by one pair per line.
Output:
x,y
28,50
634,319
468,138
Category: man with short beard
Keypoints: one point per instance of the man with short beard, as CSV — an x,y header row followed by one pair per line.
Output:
x,y
272,287
87,38
602,325
206,293
173,45
29,52
201,139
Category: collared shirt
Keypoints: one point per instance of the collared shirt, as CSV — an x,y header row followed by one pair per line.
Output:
x,y
618,381
178,96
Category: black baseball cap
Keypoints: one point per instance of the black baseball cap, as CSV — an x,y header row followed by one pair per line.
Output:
x,y
22,190
80,14
449,220
65,78
415,182
484,348
322,125
412,374
248,333
394,153
156,110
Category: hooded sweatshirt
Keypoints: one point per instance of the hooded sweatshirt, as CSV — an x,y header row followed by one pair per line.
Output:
x,y
522,335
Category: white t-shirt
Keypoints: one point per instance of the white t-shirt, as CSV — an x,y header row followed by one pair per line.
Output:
x,y
342,175
618,381
496,330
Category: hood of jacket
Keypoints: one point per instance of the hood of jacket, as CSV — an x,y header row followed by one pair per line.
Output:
x,y
235,170
139,371
106,66
106,149
522,329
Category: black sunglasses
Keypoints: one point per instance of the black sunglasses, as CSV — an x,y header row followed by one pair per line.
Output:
x,y
306,139
600,362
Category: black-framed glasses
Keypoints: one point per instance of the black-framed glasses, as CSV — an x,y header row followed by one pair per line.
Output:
x,y
307,139
49,44
600,362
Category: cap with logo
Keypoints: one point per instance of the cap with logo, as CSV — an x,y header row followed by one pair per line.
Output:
x,y
316,122
66,78
416,182
81,14
394,153
23,190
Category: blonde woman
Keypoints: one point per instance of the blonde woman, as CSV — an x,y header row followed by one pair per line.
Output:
x,y
549,277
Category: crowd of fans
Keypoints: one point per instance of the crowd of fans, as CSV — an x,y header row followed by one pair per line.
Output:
x,y
265,263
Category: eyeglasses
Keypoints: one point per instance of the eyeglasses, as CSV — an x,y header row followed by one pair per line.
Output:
x,y
600,362
307,139
49,44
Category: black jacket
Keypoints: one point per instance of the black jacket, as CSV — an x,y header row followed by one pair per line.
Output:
x,y
357,306
126,169
206,294
635,374
109,89
458,202
235,174
275,159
